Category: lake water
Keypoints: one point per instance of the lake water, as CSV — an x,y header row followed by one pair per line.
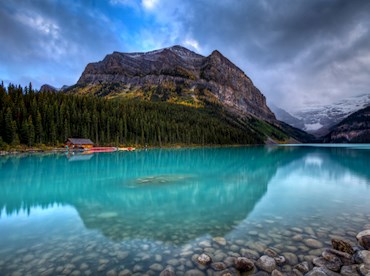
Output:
x,y
139,212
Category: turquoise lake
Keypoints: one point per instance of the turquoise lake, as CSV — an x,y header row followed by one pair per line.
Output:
x,y
139,212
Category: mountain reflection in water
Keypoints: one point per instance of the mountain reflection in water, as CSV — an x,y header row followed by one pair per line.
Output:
x,y
186,193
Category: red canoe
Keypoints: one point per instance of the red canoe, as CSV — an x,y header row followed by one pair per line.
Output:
x,y
102,149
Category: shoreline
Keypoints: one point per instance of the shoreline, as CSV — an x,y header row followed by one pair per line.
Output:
x,y
48,149
36,150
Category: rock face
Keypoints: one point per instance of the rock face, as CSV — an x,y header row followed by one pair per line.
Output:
x,y
354,129
181,72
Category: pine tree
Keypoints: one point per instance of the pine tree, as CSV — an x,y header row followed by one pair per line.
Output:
x,y
10,127
31,132
38,128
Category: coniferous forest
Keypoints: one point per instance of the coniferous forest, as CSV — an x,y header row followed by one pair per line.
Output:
x,y
31,118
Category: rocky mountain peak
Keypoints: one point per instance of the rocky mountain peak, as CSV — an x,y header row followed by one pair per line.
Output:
x,y
48,88
179,73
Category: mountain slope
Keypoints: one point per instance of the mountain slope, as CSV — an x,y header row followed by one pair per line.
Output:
x,y
353,129
320,119
176,75
286,117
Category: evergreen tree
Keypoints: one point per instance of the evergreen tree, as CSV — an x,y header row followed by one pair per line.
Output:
x,y
31,132
10,127
47,117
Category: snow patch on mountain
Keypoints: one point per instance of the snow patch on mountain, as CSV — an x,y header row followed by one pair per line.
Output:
x,y
324,117
312,127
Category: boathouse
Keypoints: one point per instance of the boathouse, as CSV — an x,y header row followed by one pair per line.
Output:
x,y
79,143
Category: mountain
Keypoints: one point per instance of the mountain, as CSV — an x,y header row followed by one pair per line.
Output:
x,y
353,129
176,75
48,88
319,120
286,117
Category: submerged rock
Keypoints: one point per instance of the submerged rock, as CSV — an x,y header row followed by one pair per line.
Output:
x,y
291,258
249,253
122,255
266,263
333,265
169,271
362,256
303,267
219,257
330,257
363,239
344,257
318,271
173,262
261,273
364,269
296,229
280,260
204,259
218,266
205,244
229,261
138,268
342,245
158,180
270,252
220,240
125,272
243,264
349,270
297,237
367,226
277,273
156,267
194,272
111,272
107,215
313,243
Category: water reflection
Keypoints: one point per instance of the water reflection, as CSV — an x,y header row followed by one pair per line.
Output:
x,y
185,193
168,195
79,156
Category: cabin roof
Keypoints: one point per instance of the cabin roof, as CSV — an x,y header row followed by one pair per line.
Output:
x,y
80,141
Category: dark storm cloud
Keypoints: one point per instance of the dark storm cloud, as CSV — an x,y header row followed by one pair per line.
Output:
x,y
51,41
297,52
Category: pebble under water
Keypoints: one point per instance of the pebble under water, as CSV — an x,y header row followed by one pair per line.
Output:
x,y
138,213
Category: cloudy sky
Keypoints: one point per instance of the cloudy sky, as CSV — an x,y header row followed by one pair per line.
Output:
x,y
298,53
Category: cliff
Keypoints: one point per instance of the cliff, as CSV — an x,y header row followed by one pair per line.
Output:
x,y
178,75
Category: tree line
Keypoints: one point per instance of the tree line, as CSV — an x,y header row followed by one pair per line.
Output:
x,y
29,117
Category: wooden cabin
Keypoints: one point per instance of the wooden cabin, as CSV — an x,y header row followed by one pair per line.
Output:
x,y
78,143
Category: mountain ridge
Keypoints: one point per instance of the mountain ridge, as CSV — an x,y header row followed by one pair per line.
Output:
x,y
211,85
319,120
353,129
177,73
